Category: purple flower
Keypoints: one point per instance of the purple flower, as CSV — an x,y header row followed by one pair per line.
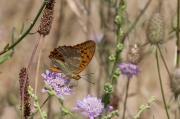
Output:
x,y
58,82
129,69
91,106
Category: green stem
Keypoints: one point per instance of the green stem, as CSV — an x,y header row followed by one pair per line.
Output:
x,y
119,38
127,88
163,60
40,107
119,35
28,30
162,92
62,103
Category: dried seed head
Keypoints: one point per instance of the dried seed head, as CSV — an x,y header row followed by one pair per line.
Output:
x,y
175,82
155,30
27,109
134,54
47,18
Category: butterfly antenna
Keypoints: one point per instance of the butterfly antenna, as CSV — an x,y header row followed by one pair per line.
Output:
x,y
88,80
87,74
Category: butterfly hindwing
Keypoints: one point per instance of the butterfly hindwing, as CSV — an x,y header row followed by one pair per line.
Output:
x,y
61,65
71,56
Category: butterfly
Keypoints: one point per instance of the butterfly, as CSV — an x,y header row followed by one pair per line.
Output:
x,y
71,60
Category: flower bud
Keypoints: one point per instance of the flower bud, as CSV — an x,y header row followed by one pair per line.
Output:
x,y
119,47
108,88
112,58
175,82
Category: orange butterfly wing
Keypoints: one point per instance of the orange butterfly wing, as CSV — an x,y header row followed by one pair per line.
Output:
x,y
55,54
87,50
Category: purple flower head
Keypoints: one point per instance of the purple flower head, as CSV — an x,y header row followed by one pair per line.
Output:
x,y
129,69
58,82
91,106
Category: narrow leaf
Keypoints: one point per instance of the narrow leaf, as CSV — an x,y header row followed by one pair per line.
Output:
x,y
22,28
3,59
155,51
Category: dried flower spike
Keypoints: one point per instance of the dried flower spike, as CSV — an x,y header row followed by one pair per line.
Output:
x,y
91,106
175,82
58,82
134,54
27,109
155,31
47,18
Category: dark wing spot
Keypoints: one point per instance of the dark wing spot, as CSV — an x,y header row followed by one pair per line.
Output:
x,y
88,56
84,61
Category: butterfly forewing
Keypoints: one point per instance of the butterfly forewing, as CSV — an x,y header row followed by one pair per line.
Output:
x,y
87,50
61,65
55,54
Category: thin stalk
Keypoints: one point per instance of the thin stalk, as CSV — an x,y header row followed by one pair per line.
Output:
x,y
160,81
62,103
136,21
40,107
40,110
28,30
27,70
177,35
37,68
163,60
127,88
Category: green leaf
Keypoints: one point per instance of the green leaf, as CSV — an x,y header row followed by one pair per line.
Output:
x,y
155,51
3,59
22,28
6,47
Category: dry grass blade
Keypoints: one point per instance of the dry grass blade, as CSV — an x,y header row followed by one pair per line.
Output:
x,y
74,8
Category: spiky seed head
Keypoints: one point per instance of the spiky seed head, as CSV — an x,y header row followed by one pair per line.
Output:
x,y
175,82
155,30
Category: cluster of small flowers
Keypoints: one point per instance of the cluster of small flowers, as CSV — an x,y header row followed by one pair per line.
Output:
x,y
129,69
91,106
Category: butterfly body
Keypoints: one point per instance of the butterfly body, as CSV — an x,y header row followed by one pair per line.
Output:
x,y
71,60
